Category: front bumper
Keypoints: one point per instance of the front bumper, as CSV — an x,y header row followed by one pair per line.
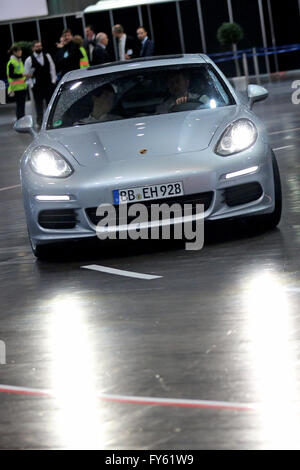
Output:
x,y
201,174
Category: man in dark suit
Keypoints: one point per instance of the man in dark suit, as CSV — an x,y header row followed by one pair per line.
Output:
x,y
147,46
126,45
101,54
89,42
68,54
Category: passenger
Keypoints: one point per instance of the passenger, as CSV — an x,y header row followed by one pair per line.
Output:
x,y
103,101
178,86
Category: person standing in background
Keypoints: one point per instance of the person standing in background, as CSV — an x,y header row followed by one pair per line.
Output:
x,y
126,45
16,76
147,46
84,61
89,42
68,56
101,55
61,42
41,69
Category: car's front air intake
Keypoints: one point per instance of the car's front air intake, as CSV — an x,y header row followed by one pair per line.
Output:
x,y
242,194
58,219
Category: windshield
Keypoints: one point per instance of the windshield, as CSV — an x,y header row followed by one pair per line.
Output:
x,y
137,93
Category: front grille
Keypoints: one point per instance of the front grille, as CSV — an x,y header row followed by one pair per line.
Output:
x,y
242,194
58,219
200,198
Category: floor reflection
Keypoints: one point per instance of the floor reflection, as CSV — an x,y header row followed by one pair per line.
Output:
x,y
269,329
78,423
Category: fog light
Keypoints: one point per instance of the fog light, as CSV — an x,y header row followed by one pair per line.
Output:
x,y
53,198
244,172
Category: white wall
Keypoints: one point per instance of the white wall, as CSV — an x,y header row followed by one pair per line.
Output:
x,y
16,9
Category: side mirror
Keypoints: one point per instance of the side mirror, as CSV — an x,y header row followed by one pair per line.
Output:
x,y
25,125
256,93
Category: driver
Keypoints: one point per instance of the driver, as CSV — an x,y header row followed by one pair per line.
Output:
x,y
103,101
178,85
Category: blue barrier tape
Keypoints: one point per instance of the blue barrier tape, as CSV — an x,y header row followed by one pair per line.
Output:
x,y
285,46
218,54
275,49
258,54
265,52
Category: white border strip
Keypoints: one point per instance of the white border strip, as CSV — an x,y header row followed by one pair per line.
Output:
x,y
208,404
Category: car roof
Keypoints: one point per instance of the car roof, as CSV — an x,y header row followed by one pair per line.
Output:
x,y
139,63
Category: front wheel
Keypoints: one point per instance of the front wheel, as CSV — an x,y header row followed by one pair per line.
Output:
x,y
270,221
42,252
273,219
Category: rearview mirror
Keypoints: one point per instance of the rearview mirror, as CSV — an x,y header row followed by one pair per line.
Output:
x,y
25,125
256,93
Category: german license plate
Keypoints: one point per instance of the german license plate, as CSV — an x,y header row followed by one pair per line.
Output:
x,y
147,193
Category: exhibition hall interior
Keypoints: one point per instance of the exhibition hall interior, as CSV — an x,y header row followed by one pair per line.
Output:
x,y
150,227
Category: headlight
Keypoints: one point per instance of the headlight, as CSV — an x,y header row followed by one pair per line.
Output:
x,y
47,162
237,137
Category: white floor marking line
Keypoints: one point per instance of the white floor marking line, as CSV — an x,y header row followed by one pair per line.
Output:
x,y
10,187
209,404
119,272
285,147
287,130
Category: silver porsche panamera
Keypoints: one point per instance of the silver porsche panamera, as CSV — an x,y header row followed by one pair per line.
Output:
x,y
163,129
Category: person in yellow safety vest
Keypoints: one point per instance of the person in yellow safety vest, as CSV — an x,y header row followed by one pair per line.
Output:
x,y
84,61
17,80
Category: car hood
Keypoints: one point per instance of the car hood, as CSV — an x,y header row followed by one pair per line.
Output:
x,y
152,136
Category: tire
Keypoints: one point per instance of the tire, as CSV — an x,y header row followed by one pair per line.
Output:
x,y
42,252
270,221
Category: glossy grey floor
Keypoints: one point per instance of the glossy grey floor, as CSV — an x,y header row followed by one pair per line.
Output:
x,y
221,324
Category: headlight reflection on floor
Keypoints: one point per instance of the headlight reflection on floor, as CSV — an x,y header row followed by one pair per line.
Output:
x,y
269,330
73,380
